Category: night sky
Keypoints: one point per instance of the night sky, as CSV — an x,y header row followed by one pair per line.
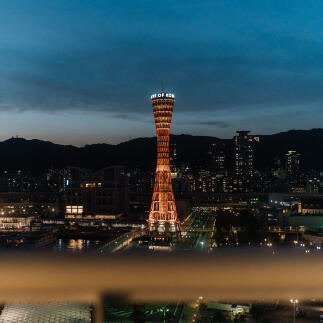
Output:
x,y
81,72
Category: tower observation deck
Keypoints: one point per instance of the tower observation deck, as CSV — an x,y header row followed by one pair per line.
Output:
x,y
163,214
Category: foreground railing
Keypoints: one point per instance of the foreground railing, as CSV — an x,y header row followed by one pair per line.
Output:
x,y
151,276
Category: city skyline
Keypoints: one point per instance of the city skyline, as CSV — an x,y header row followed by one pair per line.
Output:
x,y
80,73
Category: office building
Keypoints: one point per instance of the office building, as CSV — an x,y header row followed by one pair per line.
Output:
x,y
96,195
244,155
243,161
218,160
292,163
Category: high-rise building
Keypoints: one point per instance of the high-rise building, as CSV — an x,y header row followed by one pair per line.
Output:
x,y
243,161
294,181
163,214
292,163
218,168
243,155
173,157
218,160
278,171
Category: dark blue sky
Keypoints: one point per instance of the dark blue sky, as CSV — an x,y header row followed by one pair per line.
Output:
x,y
79,72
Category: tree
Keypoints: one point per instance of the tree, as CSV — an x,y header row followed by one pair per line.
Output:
x,y
250,222
218,317
240,318
138,315
224,220
256,313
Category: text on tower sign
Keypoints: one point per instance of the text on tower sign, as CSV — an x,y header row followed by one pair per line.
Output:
x,y
163,95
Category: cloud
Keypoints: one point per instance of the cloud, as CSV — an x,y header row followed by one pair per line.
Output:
x,y
218,124
234,60
126,117
120,74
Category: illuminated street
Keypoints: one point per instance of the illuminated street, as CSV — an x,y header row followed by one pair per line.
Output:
x,y
196,235
116,312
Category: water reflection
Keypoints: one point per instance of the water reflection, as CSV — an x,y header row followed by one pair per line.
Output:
x,y
76,245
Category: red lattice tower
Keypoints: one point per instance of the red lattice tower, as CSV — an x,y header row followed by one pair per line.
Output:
x,y
163,215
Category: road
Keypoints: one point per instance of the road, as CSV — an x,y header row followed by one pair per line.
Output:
x,y
195,234
125,312
285,310
121,242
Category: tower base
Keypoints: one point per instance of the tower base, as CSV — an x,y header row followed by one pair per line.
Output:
x,y
172,236
157,241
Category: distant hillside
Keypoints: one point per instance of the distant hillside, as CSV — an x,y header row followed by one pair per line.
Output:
x,y
37,156
308,143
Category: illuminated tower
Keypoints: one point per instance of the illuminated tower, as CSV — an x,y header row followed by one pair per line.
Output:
x,y
163,215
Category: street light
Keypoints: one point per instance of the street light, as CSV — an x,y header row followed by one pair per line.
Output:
x,y
164,309
294,302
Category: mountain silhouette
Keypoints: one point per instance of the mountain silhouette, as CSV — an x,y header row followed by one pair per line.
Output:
x,y
37,156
